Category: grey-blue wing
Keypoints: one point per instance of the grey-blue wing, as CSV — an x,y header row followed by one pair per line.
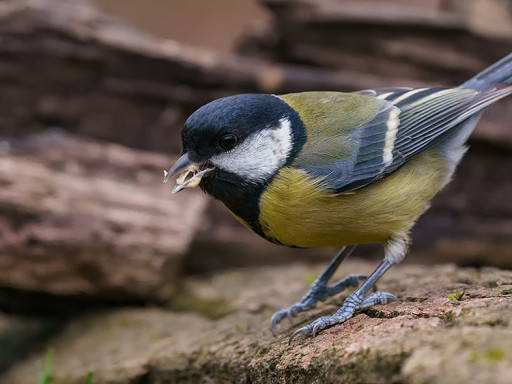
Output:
x,y
410,121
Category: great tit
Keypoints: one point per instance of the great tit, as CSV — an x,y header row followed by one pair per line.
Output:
x,y
318,169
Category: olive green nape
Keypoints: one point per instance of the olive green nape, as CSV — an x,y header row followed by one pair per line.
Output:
x,y
329,118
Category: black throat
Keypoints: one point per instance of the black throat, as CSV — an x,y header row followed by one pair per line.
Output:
x,y
241,196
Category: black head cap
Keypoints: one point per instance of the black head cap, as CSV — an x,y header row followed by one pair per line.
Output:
x,y
239,115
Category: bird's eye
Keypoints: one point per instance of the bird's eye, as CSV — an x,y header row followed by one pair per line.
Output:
x,y
227,142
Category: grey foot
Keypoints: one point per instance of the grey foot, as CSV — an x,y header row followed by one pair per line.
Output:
x,y
351,304
319,292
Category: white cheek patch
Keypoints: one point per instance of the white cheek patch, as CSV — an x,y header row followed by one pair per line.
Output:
x,y
260,155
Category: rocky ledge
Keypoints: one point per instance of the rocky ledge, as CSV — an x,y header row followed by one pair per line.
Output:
x,y
451,325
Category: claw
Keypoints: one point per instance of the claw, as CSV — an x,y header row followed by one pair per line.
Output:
x,y
319,291
389,296
276,318
296,333
315,330
352,303
280,315
316,293
322,323
377,298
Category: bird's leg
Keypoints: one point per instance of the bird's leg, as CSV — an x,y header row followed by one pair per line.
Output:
x,y
319,290
395,250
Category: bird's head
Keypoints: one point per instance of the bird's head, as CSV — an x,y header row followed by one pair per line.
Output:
x,y
244,138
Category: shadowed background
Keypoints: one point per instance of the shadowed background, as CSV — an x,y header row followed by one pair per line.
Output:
x,y
83,217
93,95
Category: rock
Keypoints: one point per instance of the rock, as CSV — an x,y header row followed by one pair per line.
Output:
x,y
481,351
89,73
19,336
92,74
450,326
90,220
95,75
487,17
403,44
470,221
406,41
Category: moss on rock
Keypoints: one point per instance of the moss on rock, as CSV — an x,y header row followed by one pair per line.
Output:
x,y
410,341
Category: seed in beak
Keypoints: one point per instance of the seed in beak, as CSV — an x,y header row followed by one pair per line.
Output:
x,y
190,178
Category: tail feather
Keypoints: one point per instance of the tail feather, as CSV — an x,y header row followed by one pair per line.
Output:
x,y
498,73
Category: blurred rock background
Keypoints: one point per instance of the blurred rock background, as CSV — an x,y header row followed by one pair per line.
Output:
x,y
93,95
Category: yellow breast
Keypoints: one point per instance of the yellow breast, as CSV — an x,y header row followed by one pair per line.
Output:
x,y
296,210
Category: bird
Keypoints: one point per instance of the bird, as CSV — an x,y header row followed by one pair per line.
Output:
x,y
317,169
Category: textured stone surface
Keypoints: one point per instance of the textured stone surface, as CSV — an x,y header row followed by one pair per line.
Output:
x,y
92,74
216,330
20,335
65,63
82,218
403,43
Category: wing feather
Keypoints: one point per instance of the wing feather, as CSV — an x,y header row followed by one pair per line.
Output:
x,y
408,122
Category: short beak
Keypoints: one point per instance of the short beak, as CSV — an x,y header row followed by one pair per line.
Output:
x,y
190,174
182,163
